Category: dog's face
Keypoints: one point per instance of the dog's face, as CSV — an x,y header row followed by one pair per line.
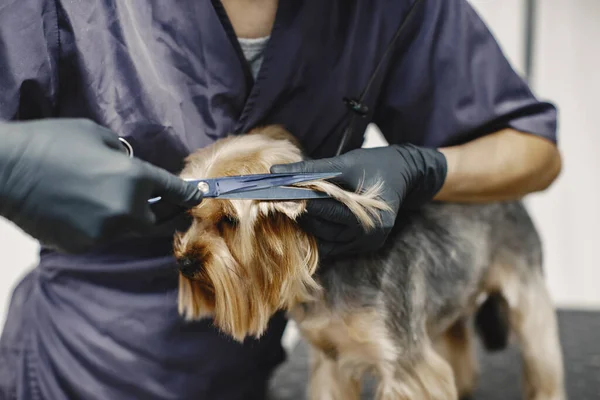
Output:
x,y
242,260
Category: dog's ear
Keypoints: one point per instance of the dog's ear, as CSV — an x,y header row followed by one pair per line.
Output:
x,y
288,258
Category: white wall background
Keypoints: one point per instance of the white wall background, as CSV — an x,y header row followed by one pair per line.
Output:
x,y
567,72
18,253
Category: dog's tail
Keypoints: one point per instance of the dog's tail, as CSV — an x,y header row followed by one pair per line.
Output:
x,y
492,322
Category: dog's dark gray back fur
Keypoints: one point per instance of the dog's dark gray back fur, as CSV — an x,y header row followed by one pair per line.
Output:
x,y
433,261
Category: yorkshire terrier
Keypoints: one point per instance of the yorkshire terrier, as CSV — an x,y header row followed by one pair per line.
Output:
x,y
407,313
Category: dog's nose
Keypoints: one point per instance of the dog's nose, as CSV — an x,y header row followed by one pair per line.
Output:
x,y
188,267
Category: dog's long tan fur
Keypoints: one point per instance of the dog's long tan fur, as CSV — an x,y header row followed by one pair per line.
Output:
x,y
288,278
250,259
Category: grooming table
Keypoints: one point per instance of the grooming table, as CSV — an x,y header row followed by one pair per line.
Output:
x,y
500,372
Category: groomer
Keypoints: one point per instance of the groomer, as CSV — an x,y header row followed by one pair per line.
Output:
x,y
80,81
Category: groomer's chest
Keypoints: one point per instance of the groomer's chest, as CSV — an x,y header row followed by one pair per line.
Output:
x,y
170,77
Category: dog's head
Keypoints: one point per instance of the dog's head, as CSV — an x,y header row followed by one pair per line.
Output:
x,y
242,260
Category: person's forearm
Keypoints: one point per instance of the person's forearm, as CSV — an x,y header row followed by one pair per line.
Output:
x,y
505,165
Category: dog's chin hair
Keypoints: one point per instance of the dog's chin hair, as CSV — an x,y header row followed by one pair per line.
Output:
x,y
246,295
192,305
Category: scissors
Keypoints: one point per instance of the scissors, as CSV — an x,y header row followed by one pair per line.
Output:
x,y
260,186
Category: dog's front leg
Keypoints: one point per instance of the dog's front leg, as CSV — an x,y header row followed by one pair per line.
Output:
x,y
328,381
426,376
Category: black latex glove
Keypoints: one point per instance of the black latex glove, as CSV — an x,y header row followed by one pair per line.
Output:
x,y
70,184
412,176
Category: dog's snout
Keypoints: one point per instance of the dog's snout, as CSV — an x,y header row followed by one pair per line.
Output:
x,y
188,267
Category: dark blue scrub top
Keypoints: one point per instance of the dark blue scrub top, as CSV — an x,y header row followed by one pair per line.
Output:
x,y
169,77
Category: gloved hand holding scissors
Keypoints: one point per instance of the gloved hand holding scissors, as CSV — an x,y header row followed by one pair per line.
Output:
x,y
69,184
411,176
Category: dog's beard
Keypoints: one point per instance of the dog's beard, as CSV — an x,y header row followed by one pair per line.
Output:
x,y
250,274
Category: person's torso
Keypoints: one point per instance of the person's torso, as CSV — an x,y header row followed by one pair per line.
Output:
x,y
170,77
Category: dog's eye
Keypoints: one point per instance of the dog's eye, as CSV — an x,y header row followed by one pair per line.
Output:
x,y
229,219
189,267
226,223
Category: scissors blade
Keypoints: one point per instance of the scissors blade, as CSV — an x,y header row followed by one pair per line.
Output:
x,y
218,187
250,186
276,193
